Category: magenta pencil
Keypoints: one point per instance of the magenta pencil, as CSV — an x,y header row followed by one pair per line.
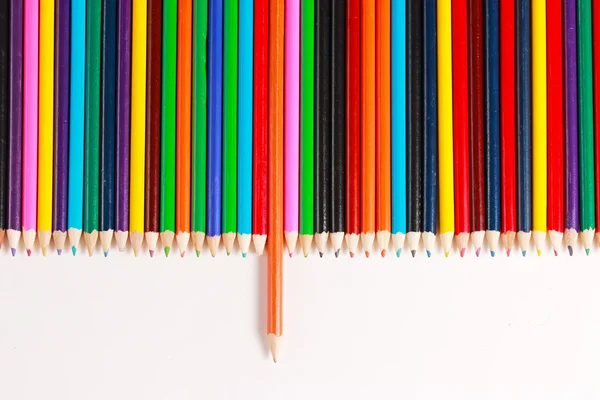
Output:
x,y
30,120
292,122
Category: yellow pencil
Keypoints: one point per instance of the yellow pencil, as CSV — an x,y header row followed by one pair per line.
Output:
x,y
138,125
539,123
46,123
446,167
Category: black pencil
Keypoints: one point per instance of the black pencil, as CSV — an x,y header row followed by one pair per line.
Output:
x,y
4,104
322,182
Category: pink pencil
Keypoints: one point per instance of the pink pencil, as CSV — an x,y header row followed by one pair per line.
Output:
x,y
292,122
30,120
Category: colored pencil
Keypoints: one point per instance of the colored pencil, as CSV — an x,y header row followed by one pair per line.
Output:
x,y
571,127
492,124
92,124
183,143
198,205
586,123
383,194
46,123
276,110
414,142
123,124
556,210
245,71
30,119
4,111
353,211
446,171
152,157
167,131
292,123
138,122
214,123
77,124
507,124
430,122
596,62
460,97
476,126
107,124
367,235
323,134
230,123
260,124
398,115
524,162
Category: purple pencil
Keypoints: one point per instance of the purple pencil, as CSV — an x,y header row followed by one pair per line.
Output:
x,y
61,123
15,150
123,120
571,137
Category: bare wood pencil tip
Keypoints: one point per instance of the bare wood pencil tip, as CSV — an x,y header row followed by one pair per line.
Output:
x,y
244,240
306,244
121,238
106,240
183,239
229,241
259,243
90,239
291,238
274,346
213,244
74,238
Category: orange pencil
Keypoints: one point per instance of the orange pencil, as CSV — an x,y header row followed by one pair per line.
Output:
x,y
383,195
275,184
184,119
368,125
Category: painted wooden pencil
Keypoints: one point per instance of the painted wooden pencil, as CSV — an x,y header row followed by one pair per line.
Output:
x,y
168,124
106,216
244,171
214,123
383,190
46,123
123,118
596,63
153,94
183,153
4,111
507,124
556,215
398,141
353,211
586,123
198,203
30,120
230,123
260,117
430,137
460,97
571,127
76,125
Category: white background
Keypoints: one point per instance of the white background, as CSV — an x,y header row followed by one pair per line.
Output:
x,y
142,328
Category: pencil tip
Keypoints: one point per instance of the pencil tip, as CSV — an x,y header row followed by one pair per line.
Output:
x,y
587,252
524,252
320,254
337,253
74,250
555,253
351,255
243,255
413,252
462,252
59,251
428,253
151,253
44,251
198,253
106,253
493,253
290,254
367,254
28,252
478,251
398,253
305,255
539,253
383,252
228,253
447,254
570,250
167,251
182,254
13,251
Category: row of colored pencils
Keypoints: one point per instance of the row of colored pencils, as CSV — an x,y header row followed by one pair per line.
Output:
x,y
148,119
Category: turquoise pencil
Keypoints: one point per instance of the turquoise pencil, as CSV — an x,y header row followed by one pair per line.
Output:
x,y
398,125
245,71
76,131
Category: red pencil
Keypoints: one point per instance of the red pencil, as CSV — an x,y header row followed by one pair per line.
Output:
x,y
353,127
556,216
596,53
260,124
507,123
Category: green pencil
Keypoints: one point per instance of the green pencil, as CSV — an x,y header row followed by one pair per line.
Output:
x,y
199,124
92,124
230,56
307,82
167,143
586,122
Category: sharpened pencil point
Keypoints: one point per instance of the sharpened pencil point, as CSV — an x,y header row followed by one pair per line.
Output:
x,y
167,251
106,253
508,253
555,253
398,253
367,254
493,253
320,254
44,251
428,253
351,255
462,252
337,253
587,252
28,252
197,253
228,253
74,250
13,251
447,254
570,250
413,252
243,255
478,251
539,253
383,252
290,254
151,253
182,254
59,251
524,252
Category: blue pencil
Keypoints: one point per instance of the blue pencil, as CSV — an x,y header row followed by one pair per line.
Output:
x,y
107,124
492,122
430,142
245,60
524,195
398,125
76,132
214,123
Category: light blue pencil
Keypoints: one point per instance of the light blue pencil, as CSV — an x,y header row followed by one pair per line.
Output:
x,y
76,131
245,71
398,124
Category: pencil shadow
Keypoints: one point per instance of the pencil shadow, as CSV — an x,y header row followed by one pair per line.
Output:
x,y
261,303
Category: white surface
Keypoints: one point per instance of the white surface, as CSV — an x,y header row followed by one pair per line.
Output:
x,y
125,328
